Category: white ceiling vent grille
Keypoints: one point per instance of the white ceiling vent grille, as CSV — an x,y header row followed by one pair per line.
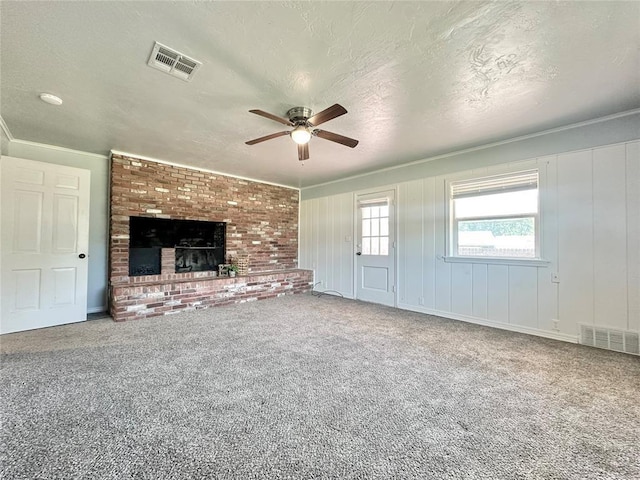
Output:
x,y
620,341
173,62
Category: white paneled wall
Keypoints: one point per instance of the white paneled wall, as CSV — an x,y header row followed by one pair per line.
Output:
x,y
481,292
327,225
590,234
633,234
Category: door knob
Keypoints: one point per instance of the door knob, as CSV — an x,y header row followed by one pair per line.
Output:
x,y
82,255
358,253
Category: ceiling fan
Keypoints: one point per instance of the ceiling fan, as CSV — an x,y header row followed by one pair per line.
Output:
x,y
304,123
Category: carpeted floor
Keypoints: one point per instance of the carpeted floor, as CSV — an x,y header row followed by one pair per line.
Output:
x,y
308,387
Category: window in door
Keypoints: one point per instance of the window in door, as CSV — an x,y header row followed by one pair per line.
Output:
x,y
375,227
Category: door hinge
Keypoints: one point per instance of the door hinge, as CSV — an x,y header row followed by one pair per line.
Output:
x,y
393,244
393,288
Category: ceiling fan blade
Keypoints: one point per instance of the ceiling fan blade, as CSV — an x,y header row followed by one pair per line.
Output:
x,y
267,137
303,151
271,116
334,137
327,114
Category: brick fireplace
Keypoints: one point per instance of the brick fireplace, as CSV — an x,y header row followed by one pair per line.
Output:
x,y
261,225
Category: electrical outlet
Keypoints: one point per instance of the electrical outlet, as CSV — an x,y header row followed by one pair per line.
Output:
x,y
555,277
556,324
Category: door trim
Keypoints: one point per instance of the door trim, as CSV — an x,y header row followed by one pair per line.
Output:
x,y
394,247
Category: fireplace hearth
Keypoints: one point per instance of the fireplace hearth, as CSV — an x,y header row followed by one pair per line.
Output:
x,y
261,224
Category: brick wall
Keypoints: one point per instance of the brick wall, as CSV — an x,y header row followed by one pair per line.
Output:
x,y
262,219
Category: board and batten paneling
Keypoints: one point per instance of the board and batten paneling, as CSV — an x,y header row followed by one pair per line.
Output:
x,y
575,235
410,227
632,177
326,230
429,241
598,242
497,293
507,295
590,236
547,289
609,235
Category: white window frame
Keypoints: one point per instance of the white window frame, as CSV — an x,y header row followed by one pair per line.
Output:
x,y
452,224
378,202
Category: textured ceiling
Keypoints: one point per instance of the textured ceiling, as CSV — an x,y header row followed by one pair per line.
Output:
x,y
418,78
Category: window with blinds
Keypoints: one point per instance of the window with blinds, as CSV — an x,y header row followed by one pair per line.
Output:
x,y
495,216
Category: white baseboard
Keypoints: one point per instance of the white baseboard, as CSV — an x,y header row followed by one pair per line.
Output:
x,y
489,323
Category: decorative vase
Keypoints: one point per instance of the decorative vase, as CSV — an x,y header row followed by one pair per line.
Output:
x,y
243,264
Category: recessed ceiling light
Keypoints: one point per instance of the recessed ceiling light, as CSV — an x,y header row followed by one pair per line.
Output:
x,y
50,99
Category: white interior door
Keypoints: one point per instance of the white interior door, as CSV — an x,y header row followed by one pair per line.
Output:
x,y
375,256
44,237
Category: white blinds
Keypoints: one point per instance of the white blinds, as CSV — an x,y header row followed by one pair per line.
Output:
x,y
378,202
525,180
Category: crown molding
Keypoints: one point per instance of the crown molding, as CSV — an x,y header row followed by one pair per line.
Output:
x,y
551,131
60,149
5,129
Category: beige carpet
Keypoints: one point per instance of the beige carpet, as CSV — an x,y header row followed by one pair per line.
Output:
x,y
313,387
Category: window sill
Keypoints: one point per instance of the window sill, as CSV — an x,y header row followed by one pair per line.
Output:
x,y
526,262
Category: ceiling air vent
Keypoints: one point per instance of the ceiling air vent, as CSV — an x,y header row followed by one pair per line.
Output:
x,y
173,62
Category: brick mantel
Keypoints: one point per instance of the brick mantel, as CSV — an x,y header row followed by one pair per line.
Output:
x,y
262,219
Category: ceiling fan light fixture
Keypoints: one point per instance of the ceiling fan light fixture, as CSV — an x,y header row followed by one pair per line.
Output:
x,y
301,135
304,125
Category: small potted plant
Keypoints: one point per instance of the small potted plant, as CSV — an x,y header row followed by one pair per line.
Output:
x,y
233,270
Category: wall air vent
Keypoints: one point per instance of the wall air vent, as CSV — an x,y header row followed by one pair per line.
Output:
x,y
617,340
172,62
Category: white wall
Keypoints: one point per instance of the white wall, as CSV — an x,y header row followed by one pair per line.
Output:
x,y
590,236
99,198
325,223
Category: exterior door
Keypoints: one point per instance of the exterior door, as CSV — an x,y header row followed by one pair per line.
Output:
x,y
375,255
44,236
